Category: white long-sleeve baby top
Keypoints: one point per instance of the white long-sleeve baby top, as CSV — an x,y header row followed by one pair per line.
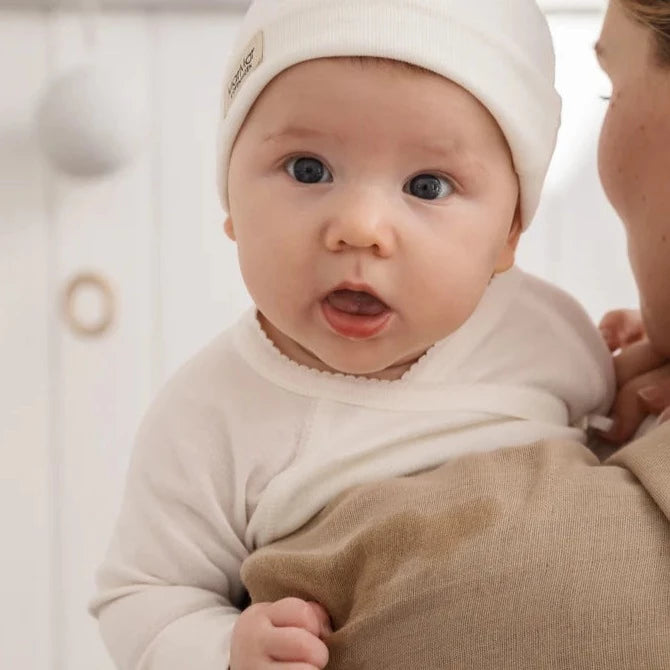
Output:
x,y
243,446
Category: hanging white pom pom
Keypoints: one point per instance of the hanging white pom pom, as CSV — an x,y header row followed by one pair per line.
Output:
x,y
90,123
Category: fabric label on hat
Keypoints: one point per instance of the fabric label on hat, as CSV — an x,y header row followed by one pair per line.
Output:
x,y
252,58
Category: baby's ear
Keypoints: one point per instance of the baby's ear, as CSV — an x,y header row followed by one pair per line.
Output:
x,y
508,252
228,228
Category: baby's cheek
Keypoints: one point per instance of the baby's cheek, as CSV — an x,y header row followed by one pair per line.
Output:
x,y
457,284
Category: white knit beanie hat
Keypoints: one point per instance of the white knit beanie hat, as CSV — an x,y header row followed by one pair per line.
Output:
x,y
498,50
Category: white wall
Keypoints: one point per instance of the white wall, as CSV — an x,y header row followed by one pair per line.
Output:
x,y
69,406
577,240
25,419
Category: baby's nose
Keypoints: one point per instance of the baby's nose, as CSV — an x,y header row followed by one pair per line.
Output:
x,y
362,221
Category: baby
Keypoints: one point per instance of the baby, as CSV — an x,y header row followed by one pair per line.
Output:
x,y
379,160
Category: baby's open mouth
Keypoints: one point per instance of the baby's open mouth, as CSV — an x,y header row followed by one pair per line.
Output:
x,y
356,302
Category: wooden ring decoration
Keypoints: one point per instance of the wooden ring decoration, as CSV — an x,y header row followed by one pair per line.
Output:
x,y
102,286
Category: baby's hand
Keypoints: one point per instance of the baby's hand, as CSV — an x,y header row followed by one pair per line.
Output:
x,y
286,634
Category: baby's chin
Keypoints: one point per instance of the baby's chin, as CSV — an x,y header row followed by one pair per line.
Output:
x,y
359,359
376,368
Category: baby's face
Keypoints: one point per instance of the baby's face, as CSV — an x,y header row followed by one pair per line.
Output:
x,y
350,180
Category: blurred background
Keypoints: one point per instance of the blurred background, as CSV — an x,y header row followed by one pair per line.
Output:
x,y
114,268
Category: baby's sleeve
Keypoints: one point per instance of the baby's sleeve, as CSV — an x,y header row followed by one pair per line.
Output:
x,y
169,588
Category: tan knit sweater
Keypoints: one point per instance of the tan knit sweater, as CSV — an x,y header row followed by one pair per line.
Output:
x,y
535,557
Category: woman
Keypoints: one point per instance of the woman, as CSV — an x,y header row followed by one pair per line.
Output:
x,y
634,165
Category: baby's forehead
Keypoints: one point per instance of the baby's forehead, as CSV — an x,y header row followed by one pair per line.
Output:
x,y
326,78
367,92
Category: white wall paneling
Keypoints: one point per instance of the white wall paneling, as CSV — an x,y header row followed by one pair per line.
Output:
x,y
201,287
104,226
552,6
70,405
25,273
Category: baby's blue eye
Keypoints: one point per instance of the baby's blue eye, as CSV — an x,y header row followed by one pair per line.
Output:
x,y
430,187
308,170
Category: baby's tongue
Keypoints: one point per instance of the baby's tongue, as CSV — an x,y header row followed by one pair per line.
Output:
x,y
356,302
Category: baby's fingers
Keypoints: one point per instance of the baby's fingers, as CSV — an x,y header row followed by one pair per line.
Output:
x,y
322,617
293,612
296,645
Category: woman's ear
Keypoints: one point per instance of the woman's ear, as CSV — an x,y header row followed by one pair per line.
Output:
x,y
228,228
507,254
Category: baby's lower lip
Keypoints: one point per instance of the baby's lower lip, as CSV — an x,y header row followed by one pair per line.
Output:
x,y
355,326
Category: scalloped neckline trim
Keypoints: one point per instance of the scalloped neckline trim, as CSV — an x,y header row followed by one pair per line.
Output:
x,y
327,375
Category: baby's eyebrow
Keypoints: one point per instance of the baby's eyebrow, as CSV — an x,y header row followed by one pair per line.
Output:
x,y
298,132
450,149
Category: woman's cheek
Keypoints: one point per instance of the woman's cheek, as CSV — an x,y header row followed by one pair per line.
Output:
x,y
607,153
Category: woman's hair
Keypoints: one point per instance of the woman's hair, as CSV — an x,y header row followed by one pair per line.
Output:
x,y
655,15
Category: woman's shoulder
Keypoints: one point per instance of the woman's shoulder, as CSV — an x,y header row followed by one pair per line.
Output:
x,y
648,459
